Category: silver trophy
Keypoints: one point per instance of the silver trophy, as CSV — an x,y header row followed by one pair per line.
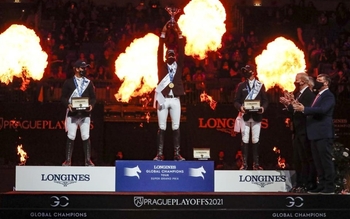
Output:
x,y
172,11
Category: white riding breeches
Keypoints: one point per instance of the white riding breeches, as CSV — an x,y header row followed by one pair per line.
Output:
x,y
84,125
172,106
255,127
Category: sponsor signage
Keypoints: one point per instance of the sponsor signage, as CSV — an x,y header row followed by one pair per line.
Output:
x,y
253,181
164,176
156,176
161,205
59,178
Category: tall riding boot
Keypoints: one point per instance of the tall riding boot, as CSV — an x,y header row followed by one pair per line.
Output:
x,y
160,144
244,156
69,152
176,142
87,153
256,165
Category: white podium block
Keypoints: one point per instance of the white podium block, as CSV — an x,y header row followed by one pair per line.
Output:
x,y
61,178
253,181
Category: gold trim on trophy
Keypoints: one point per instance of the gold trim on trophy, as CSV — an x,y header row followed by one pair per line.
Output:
x,y
171,85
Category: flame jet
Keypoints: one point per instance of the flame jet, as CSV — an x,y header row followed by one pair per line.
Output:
x,y
21,54
279,63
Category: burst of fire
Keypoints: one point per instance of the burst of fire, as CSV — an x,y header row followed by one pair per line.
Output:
x,y
203,24
21,55
279,64
137,68
145,100
276,150
148,116
23,155
204,97
281,162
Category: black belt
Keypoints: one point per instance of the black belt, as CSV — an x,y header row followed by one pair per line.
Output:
x,y
171,96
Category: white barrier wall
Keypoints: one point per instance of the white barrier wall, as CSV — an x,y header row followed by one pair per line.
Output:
x,y
253,181
58,178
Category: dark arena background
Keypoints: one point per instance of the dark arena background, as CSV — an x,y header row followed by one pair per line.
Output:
x,y
34,117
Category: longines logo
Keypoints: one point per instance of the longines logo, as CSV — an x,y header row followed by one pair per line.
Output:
x,y
65,179
262,180
33,124
225,125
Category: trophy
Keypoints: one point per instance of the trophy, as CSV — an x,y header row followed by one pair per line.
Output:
x,y
252,105
172,11
80,103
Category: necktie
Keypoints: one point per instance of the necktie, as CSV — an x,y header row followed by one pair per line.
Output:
x,y
298,95
317,96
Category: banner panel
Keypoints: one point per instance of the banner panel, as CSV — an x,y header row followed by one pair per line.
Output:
x,y
253,181
58,178
165,176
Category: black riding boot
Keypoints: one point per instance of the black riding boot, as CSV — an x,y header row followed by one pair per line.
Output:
x,y
256,165
87,153
176,142
69,152
244,156
160,144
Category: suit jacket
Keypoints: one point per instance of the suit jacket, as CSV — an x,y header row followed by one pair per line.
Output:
x,y
320,117
178,88
67,90
241,94
299,118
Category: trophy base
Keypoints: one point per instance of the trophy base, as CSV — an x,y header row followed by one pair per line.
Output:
x,y
80,103
80,108
253,110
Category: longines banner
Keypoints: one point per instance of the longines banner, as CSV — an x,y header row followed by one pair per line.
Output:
x,y
59,178
136,176
254,181
165,176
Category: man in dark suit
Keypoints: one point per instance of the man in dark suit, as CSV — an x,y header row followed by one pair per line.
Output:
x,y
169,89
302,157
320,131
76,87
250,89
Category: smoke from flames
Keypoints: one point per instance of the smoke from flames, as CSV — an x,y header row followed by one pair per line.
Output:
x,y
279,64
137,68
21,54
203,25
